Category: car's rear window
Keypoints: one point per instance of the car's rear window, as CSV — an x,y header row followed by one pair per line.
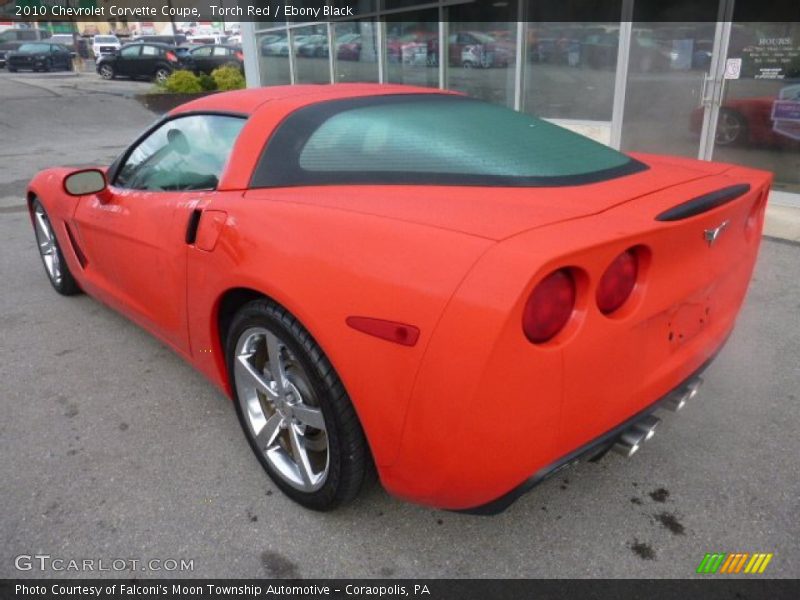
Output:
x,y
430,139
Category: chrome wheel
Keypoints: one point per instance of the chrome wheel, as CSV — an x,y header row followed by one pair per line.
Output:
x,y
162,75
281,409
106,72
48,247
729,128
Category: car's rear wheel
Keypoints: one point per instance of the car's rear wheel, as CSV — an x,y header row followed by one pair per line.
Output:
x,y
107,72
53,259
161,75
294,409
48,65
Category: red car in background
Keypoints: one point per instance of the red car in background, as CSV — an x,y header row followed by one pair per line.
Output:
x,y
461,296
745,121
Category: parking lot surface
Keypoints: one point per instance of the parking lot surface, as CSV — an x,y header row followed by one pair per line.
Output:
x,y
112,447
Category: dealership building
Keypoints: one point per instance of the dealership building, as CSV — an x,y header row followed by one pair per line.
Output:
x,y
709,79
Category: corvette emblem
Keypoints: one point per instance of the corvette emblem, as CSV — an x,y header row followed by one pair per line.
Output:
x,y
711,235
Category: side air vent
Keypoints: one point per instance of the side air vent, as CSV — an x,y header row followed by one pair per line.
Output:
x,y
704,203
76,248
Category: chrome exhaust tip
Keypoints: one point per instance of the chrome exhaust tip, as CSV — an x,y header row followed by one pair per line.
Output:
x,y
629,442
647,426
678,399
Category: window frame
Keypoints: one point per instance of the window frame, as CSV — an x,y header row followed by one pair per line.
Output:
x,y
116,166
279,162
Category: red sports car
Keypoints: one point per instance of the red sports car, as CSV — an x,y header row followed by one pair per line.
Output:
x,y
462,297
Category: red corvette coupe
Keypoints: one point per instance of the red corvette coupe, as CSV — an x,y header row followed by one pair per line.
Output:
x,y
462,297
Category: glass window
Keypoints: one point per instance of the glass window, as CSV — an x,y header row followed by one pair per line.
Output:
x,y
150,51
481,51
430,139
202,51
131,51
412,49
220,51
187,153
273,57
759,118
34,48
356,45
570,70
311,54
666,68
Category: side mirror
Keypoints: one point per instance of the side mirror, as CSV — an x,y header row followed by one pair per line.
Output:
x,y
87,181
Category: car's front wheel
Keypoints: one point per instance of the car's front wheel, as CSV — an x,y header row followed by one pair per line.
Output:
x,y
294,409
52,257
161,75
107,72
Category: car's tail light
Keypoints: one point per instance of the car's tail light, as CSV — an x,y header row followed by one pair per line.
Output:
x,y
549,306
171,57
617,282
240,55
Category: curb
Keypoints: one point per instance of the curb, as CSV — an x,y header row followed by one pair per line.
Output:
x,y
782,222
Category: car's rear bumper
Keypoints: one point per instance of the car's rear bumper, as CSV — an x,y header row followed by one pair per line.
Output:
x,y
594,450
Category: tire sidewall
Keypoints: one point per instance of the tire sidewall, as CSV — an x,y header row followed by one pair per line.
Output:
x,y
325,497
67,286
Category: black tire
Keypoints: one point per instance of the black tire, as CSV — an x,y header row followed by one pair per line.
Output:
x,y
48,65
731,128
349,458
65,284
12,70
107,72
161,74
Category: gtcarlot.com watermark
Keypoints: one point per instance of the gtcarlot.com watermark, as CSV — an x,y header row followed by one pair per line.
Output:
x,y
46,562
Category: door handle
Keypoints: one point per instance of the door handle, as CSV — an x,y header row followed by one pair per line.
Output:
x,y
191,227
704,99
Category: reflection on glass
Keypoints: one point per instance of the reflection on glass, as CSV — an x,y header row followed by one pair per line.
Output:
x,y
481,52
570,70
412,51
311,52
356,47
273,57
759,119
668,63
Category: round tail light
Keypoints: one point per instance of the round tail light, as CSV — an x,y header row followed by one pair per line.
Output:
x,y
617,282
549,307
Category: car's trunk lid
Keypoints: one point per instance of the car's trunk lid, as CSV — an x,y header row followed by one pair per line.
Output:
x,y
499,212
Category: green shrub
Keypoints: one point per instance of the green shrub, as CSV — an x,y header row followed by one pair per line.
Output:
x,y
228,78
207,82
183,82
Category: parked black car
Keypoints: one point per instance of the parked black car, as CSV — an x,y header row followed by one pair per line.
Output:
x,y
12,39
140,60
170,40
204,59
39,56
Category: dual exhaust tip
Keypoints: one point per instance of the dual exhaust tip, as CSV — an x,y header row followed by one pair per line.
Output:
x,y
630,440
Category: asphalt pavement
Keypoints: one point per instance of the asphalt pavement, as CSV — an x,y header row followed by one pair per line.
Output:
x,y
111,447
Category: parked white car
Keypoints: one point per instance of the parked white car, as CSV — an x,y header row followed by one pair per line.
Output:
x,y
105,44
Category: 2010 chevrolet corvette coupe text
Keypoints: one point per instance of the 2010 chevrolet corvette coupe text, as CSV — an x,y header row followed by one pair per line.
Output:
x,y
458,296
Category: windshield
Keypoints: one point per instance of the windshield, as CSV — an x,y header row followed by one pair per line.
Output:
x,y
431,139
33,48
105,39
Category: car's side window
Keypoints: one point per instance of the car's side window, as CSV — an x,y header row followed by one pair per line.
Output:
x,y
204,51
130,51
187,153
149,51
220,51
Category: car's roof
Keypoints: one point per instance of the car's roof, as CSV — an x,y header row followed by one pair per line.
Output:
x,y
251,100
